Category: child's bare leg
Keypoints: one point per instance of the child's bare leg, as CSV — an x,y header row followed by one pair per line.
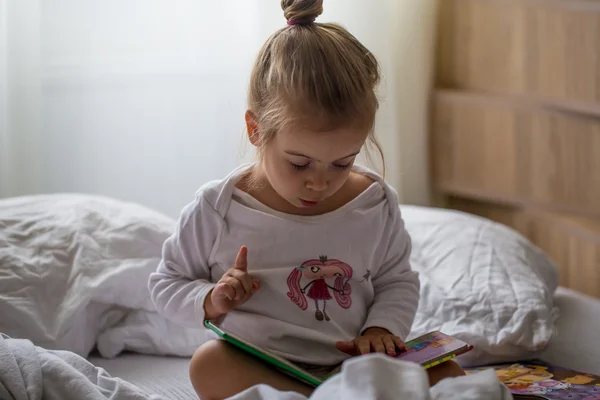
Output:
x,y
218,370
449,369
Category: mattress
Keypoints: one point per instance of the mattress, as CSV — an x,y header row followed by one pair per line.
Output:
x,y
573,346
166,376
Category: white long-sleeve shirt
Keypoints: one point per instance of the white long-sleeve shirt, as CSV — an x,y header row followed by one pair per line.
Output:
x,y
350,265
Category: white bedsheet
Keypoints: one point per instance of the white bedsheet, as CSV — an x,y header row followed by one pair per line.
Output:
x,y
28,372
166,376
574,346
373,377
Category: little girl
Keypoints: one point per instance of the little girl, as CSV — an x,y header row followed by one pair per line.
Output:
x,y
303,253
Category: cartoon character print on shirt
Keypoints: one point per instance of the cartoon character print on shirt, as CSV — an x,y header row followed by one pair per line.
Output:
x,y
317,274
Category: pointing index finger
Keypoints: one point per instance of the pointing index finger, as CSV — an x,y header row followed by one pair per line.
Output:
x,y
241,261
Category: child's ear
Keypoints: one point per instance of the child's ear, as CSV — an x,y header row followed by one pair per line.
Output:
x,y
252,128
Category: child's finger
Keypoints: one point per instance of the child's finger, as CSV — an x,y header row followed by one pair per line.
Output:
x,y
244,279
240,293
241,261
347,347
399,343
390,346
255,285
225,290
364,346
378,345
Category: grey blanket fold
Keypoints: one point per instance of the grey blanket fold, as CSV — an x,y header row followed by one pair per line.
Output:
x,y
29,372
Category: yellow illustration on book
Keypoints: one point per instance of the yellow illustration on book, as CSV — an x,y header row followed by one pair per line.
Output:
x,y
579,380
538,379
518,376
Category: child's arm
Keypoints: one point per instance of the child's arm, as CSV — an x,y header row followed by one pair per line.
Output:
x,y
181,283
395,284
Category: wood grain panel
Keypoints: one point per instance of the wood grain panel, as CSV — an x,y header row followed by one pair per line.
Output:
x,y
548,50
511,151
573,243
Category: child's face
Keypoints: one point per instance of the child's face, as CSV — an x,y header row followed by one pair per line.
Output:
x,y
307,166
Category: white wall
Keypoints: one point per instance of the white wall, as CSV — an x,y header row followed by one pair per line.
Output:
x,y
143,100
4,154
412,69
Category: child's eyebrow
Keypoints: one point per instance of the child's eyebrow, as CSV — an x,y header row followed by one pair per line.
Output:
x,y
293,153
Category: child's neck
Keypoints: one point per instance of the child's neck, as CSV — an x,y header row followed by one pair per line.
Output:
x,y
257,185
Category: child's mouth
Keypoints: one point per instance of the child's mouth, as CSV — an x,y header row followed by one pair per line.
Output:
x,y
307,203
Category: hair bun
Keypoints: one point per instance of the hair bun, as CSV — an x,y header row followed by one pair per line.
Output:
x,y
301,11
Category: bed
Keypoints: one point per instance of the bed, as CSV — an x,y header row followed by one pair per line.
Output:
x,y
166,376
574,346
75,270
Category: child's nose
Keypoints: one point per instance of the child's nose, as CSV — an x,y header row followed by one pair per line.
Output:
x,y
317,183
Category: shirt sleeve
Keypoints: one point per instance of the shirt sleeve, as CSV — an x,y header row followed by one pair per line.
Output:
x,y
181,282
396,286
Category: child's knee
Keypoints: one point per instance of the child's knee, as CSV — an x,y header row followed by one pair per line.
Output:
x,y
453,369
208,357
207,364
449,369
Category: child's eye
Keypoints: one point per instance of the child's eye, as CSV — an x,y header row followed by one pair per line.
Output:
x,y
299,166
314,270
342,166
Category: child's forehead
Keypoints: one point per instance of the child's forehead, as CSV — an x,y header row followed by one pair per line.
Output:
x,y
334,144
317,121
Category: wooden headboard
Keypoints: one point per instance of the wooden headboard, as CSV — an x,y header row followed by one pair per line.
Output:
x,y
515,130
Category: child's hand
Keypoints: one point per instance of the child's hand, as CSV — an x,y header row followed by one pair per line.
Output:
x,y
377,340
234,288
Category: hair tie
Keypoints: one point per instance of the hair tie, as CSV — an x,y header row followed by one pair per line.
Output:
x,y
300,21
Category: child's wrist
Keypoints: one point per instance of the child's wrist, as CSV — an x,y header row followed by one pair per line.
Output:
x,y
210,311
375,329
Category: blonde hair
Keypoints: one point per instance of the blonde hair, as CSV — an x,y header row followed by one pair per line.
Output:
x,y
313,70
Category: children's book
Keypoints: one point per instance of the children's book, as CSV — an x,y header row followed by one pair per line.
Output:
x,y
536,379
433,348
272,359
428,350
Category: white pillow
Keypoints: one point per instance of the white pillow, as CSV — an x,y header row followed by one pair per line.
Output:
x,y
74,266
483,283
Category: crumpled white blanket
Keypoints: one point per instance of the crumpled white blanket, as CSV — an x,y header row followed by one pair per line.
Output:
x,y
29,372
377,377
